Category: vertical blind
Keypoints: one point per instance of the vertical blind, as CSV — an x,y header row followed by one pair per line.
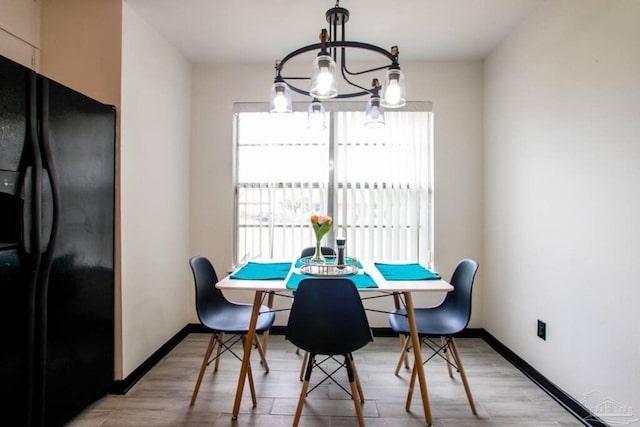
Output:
x,y
376,183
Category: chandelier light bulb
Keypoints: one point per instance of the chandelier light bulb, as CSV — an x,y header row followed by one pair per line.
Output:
x,y
280,103
323,79
375,113
316,116
315,122
393,92
374,116
393,89
280,98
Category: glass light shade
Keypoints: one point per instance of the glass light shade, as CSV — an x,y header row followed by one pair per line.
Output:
x,y
374,116
393,91
316,116
323,78
280,99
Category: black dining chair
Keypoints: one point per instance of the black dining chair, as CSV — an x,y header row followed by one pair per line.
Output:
x,y
224,317
307,252
325,250
443,321
327,318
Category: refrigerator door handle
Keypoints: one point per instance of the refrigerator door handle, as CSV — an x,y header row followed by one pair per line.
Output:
x,y
50,195
36,233
47,211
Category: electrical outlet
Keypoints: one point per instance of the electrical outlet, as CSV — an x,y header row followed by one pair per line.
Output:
x,y
542,330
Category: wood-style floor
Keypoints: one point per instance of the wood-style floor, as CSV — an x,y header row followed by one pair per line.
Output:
x,y
504,397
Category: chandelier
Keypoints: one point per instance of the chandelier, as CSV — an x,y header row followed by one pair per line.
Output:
x,y
332,56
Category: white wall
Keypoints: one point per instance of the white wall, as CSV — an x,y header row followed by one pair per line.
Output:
x,y
456,92
156,88
562,185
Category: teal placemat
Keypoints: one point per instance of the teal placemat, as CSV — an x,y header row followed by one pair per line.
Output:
x,y
412,271
360,280
263,271
330,260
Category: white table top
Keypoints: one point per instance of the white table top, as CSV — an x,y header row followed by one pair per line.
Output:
x,y
383,285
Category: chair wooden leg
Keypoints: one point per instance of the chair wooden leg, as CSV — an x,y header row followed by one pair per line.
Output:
x,y
404,355
265,335
356,377
355,390
250,377
303,391
443,340
356,404
303,395
412,382
220,340
262,353
456,356
203,367
304,364
265,341
252,387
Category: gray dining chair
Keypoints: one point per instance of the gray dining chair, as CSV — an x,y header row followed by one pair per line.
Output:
x,y
224,317
327,318
443,321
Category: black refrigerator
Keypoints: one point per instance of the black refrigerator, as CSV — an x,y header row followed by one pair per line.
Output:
x,y
57,181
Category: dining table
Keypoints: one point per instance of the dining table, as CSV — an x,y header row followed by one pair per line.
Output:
x,y
265,279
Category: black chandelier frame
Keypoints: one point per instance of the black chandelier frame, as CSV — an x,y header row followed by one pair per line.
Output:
x,y
338,16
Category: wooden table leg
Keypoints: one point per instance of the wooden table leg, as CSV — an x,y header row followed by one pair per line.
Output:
x,y
415,341
248,344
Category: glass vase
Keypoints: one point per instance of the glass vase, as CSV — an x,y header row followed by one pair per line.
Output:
x,y
318,258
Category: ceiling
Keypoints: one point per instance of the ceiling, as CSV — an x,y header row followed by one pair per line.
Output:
x,y
214,31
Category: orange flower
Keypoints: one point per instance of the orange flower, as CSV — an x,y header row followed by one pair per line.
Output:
x,y
321,219
321,225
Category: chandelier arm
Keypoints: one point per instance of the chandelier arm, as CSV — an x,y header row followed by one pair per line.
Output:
x,y
341,96
297,52
295,89
343,50
358,45
334,31
394,60
353,95
357,73
343,68
365,46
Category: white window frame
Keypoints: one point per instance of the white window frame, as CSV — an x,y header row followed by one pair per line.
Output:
x,y
298,233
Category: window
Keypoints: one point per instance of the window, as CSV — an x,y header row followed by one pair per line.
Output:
x,y
376,183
